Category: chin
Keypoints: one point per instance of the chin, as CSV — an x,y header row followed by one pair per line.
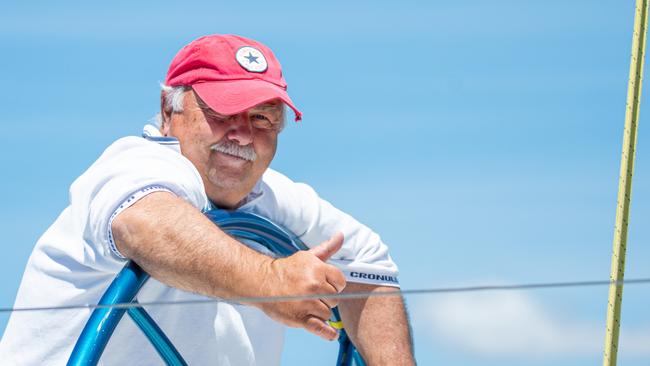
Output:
x,y
231,185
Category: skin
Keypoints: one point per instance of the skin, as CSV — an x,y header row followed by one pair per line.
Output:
x,y
227,179
159,226
378,326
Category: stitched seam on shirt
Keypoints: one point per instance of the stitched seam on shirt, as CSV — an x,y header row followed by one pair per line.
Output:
x,y
133,198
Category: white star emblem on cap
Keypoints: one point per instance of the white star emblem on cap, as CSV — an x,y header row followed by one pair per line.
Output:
x,y
251,59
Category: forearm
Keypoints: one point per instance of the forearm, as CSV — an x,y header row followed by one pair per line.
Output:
x,y
378,326
176,244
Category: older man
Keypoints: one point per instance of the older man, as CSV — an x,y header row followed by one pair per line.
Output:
x,y
222,108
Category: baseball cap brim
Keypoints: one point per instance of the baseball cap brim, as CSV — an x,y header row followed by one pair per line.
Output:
x,y
236,96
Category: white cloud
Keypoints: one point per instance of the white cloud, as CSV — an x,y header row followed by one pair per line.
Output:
x,y
515,325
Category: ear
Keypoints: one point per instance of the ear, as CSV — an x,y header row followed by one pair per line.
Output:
x,y
165,116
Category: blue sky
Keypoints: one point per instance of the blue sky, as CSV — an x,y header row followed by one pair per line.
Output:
x,y
480,139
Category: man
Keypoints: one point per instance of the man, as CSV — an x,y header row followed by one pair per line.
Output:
x,y
222,108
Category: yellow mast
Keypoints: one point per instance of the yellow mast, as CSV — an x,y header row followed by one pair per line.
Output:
x,y
625,183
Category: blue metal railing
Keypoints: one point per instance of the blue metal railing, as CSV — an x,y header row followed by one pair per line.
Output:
x,y
125,287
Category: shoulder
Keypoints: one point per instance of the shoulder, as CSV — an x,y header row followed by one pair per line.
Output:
x,y
276,183
132,163
274,179
132,151
290,204
134,144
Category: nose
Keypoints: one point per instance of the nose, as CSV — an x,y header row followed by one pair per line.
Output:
x,y
240,129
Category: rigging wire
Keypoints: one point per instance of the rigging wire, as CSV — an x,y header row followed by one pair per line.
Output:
x,y
341,296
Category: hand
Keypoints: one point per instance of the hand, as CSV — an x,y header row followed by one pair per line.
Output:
x,y
305,273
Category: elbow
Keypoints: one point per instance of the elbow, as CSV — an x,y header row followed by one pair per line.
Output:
x,y
138,225
123,231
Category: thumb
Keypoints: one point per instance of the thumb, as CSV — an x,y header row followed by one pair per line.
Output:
x,y
327,248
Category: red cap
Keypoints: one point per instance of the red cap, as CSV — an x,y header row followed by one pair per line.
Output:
x,y
230,73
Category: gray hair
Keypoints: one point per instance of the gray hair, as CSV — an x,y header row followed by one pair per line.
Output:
x,y
174,96
173,102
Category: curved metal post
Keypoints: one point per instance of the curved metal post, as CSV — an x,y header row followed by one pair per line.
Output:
x,y
103,321
254,227
157,337
348,354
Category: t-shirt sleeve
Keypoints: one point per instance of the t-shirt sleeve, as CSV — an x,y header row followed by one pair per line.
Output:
x,y
364,257
128,170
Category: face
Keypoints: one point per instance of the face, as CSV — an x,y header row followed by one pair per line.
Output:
x,y
230,152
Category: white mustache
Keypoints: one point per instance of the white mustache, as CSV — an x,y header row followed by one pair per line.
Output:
x,y
232,148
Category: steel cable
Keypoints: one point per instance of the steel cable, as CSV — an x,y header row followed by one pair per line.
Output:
x,y
342,296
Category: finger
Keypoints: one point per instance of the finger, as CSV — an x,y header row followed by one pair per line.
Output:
x,y
329,302
327,248
336,279
320,309
321,329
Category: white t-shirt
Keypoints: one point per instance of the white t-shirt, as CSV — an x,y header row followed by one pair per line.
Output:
x,y
75,260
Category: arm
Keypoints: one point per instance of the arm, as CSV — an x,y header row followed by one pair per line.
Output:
x,y
378,326
176,244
